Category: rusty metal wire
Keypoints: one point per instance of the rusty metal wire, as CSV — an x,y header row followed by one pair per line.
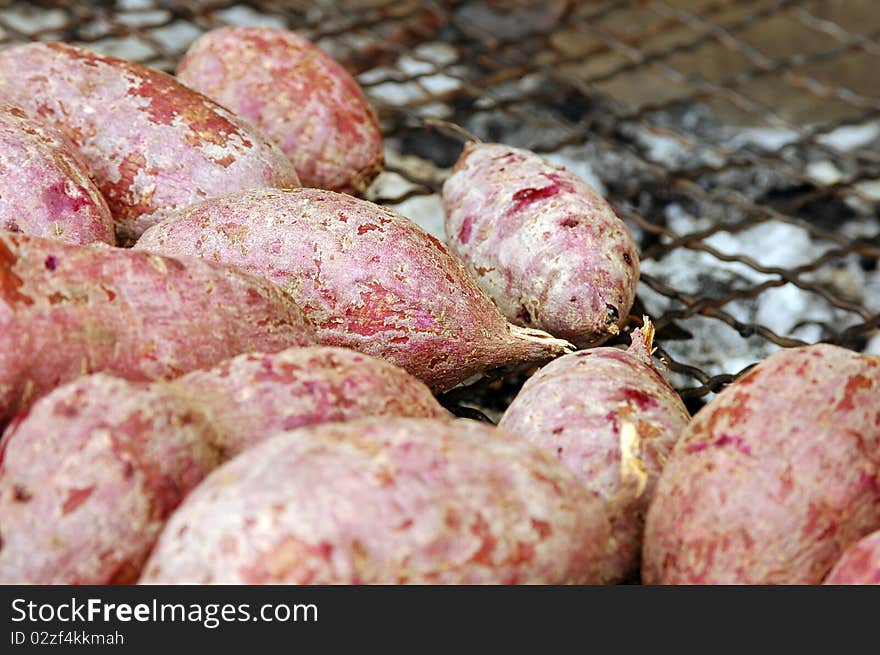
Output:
x,y
606,80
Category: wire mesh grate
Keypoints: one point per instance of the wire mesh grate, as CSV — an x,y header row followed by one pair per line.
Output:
x,y
739,139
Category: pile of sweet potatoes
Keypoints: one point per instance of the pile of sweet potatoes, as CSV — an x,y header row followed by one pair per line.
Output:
x,y
248,395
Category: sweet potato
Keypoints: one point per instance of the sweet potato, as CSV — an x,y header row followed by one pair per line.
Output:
x,y
609,416
298,95
369,279
45,188
859,565
774,478
152,144
253,396
68,310
548,249
88,478
383,500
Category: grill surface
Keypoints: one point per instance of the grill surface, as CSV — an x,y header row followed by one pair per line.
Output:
x,y
739,139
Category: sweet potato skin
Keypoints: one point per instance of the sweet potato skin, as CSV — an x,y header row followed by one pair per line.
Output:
x,y
68,310
380,501
369,279
253,396
298,95
151,143
774,478
547,249
45,188
859,565
88,478
610,417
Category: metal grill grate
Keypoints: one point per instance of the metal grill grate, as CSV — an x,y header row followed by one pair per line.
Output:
x,y
739,139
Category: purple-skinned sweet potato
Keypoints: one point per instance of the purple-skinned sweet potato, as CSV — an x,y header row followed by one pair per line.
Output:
x,y
547,249
89,476
255,395
369,279
45,188
859,565
151,143
298,95
611,417
774,478
68,310
380,501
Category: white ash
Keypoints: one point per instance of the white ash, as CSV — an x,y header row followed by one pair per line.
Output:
x,y
380,84
396,93
670,151
437,52
415,64
851,137
244,16
143,19
824,172
32,20
768,139
424,71
176,36
786,310
434,110
426,210
129,47
134,5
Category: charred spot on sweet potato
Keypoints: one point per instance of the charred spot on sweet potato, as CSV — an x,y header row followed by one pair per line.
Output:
x,y
20,493
612,315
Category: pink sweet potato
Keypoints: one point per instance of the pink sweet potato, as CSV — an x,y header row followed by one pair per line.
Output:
x,y
68,310
88,478
547,249
369,279
383,500
152,144
253,396
298,95
774,478
859,565
609,416
45,188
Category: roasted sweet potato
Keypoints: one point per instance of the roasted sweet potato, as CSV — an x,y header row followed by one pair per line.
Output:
x,y
251,397
298,95
89,476
548,249
386,501
151,143
45,188
369,279
68,310
774,478
611,417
